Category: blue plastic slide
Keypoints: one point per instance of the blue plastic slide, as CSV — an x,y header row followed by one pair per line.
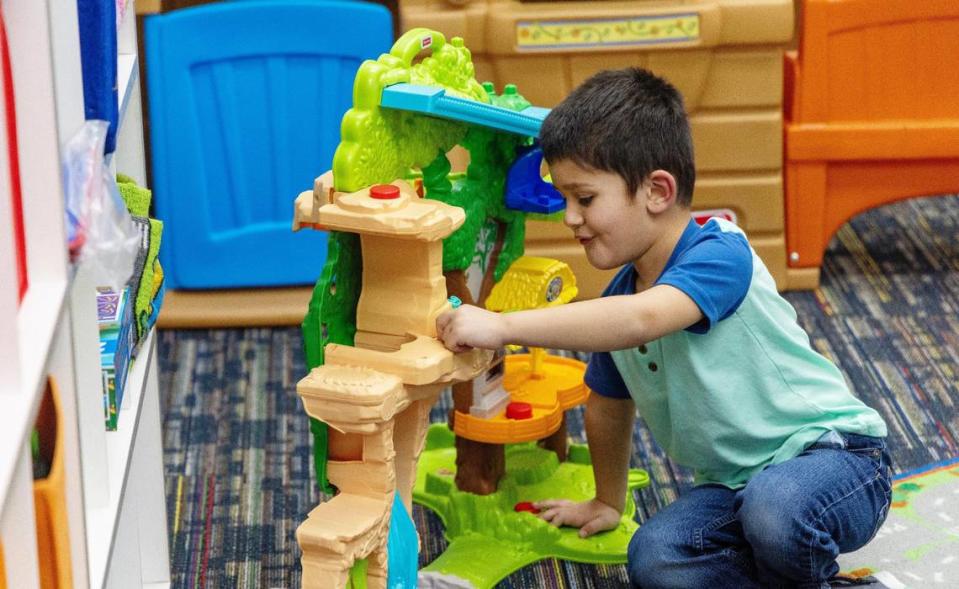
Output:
x,y
434,101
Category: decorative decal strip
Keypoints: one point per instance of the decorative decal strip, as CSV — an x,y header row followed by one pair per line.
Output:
x,y
625,31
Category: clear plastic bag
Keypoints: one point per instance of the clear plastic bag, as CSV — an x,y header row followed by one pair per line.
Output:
x,y
101,234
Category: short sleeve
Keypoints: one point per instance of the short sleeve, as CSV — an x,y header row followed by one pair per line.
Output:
x,y
603,377
715,272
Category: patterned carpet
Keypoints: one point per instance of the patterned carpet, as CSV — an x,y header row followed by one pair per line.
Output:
x,y
237,444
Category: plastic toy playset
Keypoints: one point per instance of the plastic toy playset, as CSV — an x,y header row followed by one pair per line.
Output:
x,y
408,240
789,144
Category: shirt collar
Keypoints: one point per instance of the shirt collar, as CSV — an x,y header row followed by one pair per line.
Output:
x,y
685,241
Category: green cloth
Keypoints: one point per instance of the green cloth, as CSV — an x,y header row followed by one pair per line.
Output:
x,y
749,393
149,295
136,197
147,281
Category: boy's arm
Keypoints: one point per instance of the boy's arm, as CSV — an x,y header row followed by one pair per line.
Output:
x,y
609,430
597,325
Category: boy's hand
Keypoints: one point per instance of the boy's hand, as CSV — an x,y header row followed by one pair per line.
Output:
x,y
471,327
589,516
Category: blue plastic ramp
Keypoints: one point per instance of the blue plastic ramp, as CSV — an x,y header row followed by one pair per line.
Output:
x,y
433,101
525,188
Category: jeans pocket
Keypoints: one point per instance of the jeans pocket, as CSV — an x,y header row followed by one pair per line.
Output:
x,y
864,445
871,452
884,487
710,534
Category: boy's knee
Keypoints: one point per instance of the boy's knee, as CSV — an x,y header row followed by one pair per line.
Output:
x,y
778,529
652,559
770,530
767,514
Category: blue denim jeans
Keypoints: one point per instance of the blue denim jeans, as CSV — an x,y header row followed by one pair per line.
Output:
x,y
785,528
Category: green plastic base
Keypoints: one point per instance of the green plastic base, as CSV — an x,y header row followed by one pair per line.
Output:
x,y
488,540
357,578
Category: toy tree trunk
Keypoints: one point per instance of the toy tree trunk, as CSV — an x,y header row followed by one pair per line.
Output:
x,y
479,466
558,441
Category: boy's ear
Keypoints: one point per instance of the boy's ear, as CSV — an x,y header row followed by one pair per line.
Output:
x,y
662,191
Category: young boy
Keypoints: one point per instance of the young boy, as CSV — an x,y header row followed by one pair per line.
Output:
x,y
790,468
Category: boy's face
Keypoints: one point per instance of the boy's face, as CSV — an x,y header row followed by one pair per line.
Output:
x,y
613,226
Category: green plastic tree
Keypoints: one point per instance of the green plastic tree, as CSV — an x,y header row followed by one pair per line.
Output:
x,y
377,146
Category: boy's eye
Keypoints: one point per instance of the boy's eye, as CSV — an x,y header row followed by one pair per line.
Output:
x,y
584,200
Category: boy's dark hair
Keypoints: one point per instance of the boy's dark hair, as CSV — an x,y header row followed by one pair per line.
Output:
x,y
629,122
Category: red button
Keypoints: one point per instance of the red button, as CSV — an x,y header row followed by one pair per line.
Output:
x,y
519,410
384,191
525,506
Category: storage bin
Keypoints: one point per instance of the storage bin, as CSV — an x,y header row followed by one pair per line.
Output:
x,y
49,498
3,570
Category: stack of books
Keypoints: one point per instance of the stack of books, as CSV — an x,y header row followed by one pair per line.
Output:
x,y
115,318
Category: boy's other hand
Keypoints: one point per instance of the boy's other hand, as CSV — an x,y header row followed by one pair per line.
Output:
x,y
470,327
589,516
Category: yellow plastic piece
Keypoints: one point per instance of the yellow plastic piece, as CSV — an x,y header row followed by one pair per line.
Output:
x,y
560,389
533,283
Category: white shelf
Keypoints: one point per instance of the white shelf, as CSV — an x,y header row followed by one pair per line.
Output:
x,y
127,76
37,321
102,522
21,556
18,411
113,481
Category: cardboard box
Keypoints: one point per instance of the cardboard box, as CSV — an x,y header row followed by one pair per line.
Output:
x,y
115,318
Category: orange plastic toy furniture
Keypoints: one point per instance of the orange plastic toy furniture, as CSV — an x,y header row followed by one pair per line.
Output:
x,y
543,386
550,394
871,116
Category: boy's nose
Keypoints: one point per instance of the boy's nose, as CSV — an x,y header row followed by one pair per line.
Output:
x,y
572,218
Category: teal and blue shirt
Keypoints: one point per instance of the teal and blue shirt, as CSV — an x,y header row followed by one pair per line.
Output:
x,y
741,389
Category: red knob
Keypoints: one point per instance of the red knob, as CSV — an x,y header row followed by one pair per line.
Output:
x,y
384,191
525,506
519,410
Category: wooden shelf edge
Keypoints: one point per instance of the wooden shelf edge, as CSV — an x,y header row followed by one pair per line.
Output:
x,y
259,307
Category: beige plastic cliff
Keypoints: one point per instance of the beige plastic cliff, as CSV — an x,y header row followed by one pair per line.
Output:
x,y
376,396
